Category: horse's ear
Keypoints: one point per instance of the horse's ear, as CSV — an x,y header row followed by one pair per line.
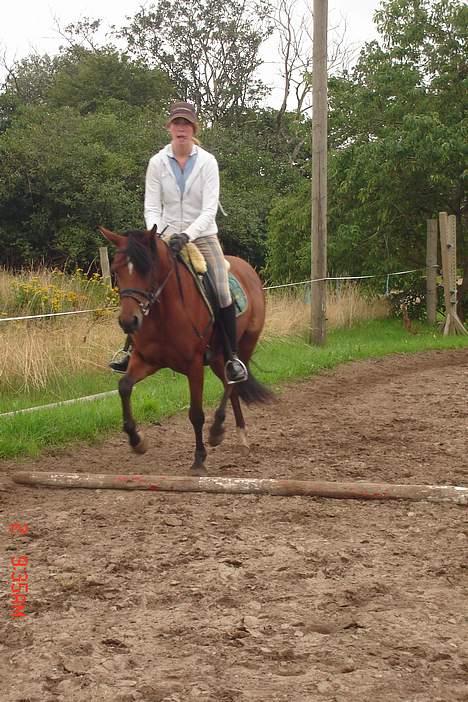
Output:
x,y
154,230
114,238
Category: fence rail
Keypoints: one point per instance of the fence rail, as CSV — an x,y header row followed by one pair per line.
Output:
x,y
268,287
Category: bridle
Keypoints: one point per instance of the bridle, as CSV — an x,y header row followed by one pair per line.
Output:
x,y
146,298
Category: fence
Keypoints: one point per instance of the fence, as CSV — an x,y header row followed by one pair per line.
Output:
x,y
387,276
452,324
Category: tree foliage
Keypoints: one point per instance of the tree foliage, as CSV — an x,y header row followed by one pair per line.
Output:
x,y
77,130
55,191
398,142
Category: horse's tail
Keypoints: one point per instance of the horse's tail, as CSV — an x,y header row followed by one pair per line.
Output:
x,y
253,392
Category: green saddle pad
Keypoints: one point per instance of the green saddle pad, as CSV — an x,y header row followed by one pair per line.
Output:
x,y
238,295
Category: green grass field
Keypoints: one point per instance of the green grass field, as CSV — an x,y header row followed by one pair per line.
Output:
x,y
165,394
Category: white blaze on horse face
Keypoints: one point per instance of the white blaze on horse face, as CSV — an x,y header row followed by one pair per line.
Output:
x,y
130,267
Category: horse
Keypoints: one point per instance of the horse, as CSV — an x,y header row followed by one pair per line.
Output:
x,y
171,326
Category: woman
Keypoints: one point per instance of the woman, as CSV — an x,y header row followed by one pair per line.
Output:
x,y
181,198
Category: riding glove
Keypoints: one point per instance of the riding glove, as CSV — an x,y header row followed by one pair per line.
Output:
x,y
177,242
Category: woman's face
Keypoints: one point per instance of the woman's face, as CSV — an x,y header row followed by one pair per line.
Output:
x,y
181,131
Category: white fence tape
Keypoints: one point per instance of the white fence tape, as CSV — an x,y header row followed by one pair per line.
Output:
x,y
346,277
88,398
55,314
269,287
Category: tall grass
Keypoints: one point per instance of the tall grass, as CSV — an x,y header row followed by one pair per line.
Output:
x,y
36,354
288,313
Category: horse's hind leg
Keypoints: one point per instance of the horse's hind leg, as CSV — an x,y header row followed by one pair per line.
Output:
x,y
217,428
247,345
240,423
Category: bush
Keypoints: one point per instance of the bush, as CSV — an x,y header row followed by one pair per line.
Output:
x,y
411,292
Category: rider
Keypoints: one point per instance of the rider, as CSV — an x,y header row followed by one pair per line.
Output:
x,y
181,197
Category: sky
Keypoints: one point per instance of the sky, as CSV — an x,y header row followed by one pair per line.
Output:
x,y
28,26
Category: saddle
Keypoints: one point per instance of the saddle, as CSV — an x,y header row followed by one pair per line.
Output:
x,y
196,264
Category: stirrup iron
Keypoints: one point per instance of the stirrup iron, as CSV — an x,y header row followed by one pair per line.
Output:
x,y
119,362
235,371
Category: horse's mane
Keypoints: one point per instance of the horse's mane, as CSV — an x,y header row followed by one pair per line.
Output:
x,y
138,252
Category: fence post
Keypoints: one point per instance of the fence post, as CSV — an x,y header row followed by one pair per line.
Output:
x,y
431,271
105,267
448,248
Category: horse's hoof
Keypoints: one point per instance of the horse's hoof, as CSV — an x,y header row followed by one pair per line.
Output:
x,y
142,445
216,439
198,470
244,450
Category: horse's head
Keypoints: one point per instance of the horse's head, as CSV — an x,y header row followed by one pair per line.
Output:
x,y
134,266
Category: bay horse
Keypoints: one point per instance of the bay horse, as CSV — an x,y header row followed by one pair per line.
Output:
x,y
171,326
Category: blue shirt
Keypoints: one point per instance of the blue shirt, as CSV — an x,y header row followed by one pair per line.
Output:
x,y
182,174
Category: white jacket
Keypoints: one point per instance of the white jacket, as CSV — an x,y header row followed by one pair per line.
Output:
x,y
192,212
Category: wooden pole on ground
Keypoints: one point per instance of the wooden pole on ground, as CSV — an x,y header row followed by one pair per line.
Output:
x,y
431,271
319,174
448,248
257,486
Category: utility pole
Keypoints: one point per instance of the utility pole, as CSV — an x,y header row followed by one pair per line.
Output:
x,y
319,174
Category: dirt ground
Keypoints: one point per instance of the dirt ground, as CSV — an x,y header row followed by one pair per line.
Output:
x,y
211,598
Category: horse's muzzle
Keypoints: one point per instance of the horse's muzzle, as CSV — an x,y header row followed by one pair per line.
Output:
x,y
130,324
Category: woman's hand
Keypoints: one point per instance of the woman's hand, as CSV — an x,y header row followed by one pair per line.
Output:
x,y
177,242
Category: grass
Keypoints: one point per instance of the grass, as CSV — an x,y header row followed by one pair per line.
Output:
x,y
278,359
52,358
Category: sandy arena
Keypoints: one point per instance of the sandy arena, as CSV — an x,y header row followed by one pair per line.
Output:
x,y
217,598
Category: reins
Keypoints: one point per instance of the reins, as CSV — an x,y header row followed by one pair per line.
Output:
x,y
181,293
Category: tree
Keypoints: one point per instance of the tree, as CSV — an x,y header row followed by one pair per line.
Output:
x,y
397,139
209,51
88,78
254,168
84,78
293,35
63,174
30,79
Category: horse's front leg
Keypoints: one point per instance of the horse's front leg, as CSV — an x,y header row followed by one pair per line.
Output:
x,y
137,370
197,416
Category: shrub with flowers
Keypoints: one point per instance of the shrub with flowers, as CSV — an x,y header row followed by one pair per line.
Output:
x,y
54,291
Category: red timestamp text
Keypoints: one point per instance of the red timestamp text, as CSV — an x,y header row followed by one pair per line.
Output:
x,y
19,585
18,576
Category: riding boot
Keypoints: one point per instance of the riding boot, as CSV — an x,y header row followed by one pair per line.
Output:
x,y
119,362
235,370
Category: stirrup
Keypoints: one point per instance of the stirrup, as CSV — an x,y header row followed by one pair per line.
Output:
x,y
119,362
235,371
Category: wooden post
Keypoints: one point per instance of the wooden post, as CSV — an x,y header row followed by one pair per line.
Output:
x,y
105,267
448,233
431,271
319,174
246,486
